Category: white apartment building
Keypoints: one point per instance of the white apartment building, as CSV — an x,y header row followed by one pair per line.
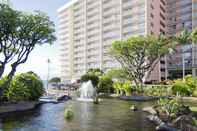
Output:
x,y
88,28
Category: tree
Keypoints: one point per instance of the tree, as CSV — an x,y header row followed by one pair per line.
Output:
x,y
183,38
55,80
193,36
20,32
96,72
9,42
139,55
117,73
105,84
92,77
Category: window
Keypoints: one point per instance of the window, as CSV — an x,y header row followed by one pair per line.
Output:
x,y
151,24
162,16
152,7
163,2
151,15
163,25
162,9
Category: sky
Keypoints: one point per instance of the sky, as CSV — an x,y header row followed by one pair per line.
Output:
x,y
37,60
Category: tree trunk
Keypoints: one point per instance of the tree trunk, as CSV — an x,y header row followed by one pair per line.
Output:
x,y
2,70
12,72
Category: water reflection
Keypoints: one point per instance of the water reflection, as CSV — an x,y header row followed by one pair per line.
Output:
x,y
109,115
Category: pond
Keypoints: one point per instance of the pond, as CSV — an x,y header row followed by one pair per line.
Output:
x,y
109,115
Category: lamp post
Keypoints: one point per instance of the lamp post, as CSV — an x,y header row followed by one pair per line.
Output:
x,y
183,62
48,72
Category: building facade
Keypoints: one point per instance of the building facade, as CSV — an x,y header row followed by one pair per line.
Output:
x,y
87,29
181,14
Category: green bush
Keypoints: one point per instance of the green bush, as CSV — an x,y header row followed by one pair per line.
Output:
x,y
169,107
92,77
3,81
158,90
194,93
127,88
68,114
25,86
117,87
105,85
182,88
191,82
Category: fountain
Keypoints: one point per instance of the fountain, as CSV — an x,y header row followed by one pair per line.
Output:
x,y
87,92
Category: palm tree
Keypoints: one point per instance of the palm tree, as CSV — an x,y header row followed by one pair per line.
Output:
x,y
183,38
194,41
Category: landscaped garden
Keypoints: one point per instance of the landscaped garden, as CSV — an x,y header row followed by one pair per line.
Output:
x,y
114,92
138,57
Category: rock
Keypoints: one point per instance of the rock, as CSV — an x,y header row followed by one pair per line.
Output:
x,y
149,110
134,108
183,110
164,127
183,121
155,119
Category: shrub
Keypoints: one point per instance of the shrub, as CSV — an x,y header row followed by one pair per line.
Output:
x,y
191,82
105,85
181,88
166,82
17,91
117,87
25,86
168,107
157,90
127,88
68,114
92,77
194,93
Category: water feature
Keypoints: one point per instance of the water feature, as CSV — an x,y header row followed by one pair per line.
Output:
x,y
109,115
87,91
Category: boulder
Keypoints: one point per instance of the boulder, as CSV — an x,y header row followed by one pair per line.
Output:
x,y
155,119
149,110
133,108
183,110
164,127
182,122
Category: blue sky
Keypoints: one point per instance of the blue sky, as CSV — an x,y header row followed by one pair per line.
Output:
x,y
37,61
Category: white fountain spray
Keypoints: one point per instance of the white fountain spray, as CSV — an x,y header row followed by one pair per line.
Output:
x,y
87,91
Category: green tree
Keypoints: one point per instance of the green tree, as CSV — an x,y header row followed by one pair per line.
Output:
x,y
139,55
194,36
55,80
183,38
94,79
96,72
117,73
105,84
20,32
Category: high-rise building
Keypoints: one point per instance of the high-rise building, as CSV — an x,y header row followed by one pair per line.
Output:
x,y
181,14
87,29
